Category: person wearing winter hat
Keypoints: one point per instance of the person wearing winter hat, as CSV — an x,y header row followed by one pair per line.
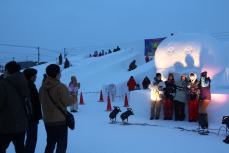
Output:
x,y
193,97
52,90
31,133
170,90
145,83
13,116
205,98
180,98
157,96
205,91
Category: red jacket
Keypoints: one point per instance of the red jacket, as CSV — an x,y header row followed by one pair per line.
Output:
x,y
131,84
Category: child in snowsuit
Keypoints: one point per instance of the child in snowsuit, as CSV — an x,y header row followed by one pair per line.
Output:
x,y
73,89
193,97
170,90
180,98
157,91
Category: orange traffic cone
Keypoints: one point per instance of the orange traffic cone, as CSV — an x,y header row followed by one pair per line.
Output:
x,y
81,99
109,108
126,104
101,96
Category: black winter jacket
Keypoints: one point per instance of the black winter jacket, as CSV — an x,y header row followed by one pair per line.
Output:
x,y
36,106
13,117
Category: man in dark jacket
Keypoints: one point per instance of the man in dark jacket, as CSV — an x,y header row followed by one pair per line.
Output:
x,y
13,117
145,83
31,133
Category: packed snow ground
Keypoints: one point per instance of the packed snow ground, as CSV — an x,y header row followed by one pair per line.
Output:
x,y
94,134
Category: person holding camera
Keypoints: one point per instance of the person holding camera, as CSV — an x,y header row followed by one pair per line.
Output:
x,y
205,92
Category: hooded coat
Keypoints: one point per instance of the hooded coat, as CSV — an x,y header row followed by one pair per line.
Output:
x,y
145,83
59,93
131,84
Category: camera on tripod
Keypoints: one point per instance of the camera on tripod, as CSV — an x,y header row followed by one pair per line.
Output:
x,y
225,120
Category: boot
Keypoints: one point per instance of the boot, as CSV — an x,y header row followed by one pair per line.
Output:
x,y
203,120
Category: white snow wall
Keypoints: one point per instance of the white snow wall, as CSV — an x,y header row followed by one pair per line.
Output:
x,y
183,53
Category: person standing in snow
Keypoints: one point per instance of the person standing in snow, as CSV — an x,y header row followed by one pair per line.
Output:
x,y
131,84
205,98
147,58
205,92
193,97
60,59
146,82
157,95
66,63
180,98
170,90
31,133
73,89
13,116
52,90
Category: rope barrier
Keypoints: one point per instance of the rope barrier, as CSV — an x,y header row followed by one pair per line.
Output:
x,y
98,92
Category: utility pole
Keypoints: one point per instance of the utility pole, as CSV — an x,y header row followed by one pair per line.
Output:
x,y
38,55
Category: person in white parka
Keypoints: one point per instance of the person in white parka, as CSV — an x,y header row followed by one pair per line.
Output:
x,y
73,89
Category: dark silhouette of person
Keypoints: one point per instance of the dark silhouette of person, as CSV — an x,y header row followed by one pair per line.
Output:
x,y
132,65
146,82
66,63
60,59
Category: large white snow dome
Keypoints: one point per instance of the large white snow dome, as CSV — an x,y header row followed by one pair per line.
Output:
x,y
185,53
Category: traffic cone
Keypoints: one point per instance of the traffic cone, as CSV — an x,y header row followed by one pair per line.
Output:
x,y
81,99
109,108
101,96
126,104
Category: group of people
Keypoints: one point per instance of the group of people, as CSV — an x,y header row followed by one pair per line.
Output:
x,y
133,85
176,95
66,62
102,52
22,107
